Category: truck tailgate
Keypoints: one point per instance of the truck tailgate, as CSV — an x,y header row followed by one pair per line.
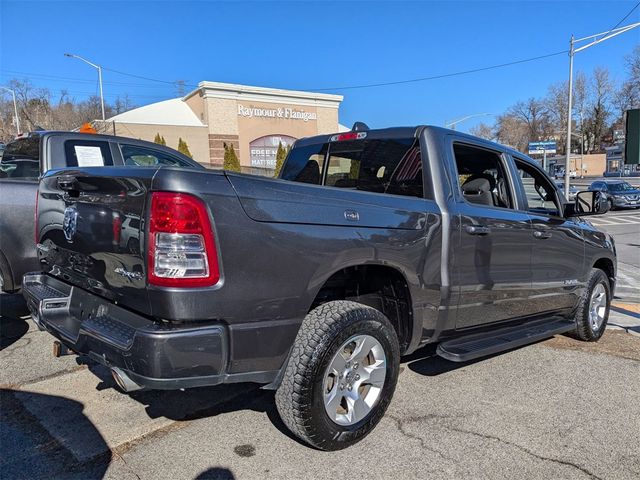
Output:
x,y
91,230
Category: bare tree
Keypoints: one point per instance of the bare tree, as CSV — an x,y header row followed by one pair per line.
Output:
x,y
626,97
483,130
122,104
600,91
535,116
511,130
557,101
633,66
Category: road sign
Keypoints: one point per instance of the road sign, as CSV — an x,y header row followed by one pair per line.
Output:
x,y
542,147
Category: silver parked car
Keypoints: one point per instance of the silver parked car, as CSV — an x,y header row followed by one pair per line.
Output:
x,y
573,190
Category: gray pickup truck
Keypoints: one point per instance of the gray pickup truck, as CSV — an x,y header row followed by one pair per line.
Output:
x,y
372,244
28,157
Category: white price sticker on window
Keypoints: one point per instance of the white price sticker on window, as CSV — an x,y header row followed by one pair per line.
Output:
x,y
89,156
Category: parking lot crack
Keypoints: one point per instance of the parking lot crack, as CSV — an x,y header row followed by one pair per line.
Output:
x,y
125,463
527,451
401,426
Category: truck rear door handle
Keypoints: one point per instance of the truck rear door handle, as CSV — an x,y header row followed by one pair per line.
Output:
x,y
541,235
477,230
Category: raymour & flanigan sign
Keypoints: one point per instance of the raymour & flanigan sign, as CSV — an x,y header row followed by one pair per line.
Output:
x,y
279,112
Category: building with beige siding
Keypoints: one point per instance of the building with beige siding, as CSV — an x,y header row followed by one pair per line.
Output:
x,y
255,120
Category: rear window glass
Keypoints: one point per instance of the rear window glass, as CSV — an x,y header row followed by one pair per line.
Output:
x,y
21,159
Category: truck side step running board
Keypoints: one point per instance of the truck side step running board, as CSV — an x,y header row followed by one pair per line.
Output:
x,y
482,344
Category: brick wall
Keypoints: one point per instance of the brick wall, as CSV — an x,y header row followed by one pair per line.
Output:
x,y
216,147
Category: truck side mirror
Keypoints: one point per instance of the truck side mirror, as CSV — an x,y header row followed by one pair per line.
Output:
x,y
591,203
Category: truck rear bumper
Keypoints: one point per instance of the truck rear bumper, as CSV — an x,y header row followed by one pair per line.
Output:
x,y
153,355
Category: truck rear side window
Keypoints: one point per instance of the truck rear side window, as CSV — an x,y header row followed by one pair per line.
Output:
x,y
87,153
304,164
21,159
391,166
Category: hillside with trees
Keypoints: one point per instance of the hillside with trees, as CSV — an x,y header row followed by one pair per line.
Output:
x,y
39,108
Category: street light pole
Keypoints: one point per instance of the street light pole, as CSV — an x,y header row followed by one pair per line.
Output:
x,y
594,40
453,124
15,108
99,68
581,145
568,150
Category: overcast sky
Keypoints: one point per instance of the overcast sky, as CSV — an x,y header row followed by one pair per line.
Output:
x,y
313,46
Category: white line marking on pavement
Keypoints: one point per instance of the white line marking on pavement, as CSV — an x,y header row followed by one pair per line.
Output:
x,y
615,221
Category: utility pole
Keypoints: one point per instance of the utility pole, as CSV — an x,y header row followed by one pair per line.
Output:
x,y
594,40
71,55
15,108
180,87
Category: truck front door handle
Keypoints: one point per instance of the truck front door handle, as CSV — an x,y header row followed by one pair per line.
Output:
x,y
477,230
541,235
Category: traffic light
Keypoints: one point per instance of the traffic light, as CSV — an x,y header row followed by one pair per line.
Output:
x,y
632,138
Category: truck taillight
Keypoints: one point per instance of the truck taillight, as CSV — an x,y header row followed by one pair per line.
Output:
x,y
182,250
116,227
341,137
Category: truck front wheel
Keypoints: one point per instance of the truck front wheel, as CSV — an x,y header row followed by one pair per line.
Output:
x,y
593,310
341,375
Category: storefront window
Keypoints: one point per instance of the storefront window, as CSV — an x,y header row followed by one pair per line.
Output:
x,y
263,150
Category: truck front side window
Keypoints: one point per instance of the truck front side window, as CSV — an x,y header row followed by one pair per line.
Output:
x,y
541,197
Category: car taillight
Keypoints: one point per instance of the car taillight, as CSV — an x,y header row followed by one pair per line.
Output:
x,y
35,218
116,227
182,251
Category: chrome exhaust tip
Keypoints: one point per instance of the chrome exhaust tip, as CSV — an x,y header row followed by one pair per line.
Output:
x,y
123,381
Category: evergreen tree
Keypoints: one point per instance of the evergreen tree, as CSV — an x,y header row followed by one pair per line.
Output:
x,y
184,148
281,154
159,139
354,171
231,161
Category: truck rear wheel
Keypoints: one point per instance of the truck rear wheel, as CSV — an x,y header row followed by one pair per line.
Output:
x,y
593,310
341,375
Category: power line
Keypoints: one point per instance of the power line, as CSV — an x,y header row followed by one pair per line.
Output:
x,y
57,78
348,87
623,18
444,75
146,78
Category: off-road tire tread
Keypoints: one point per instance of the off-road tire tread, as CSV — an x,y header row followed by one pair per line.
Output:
x,y
318,329
583,330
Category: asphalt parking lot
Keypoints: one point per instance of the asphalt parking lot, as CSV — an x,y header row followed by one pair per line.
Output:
x,y
557,409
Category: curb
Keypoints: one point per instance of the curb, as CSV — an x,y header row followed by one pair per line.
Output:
x,y
631,310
